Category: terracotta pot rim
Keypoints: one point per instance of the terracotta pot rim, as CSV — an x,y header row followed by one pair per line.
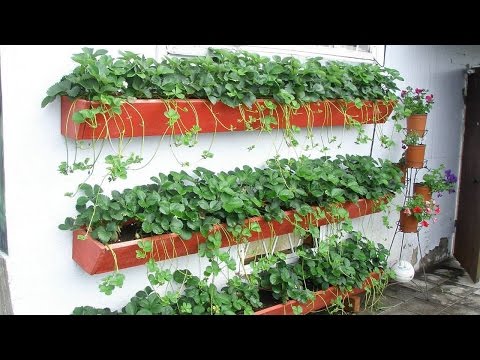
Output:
x,y
417,115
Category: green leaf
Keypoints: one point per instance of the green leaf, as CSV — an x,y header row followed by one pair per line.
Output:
x,y
285,194
204,205
185,234
144,312
68,224
130,309
147,227
177,209
47,100
103,235
336,192
180,276
274,278
164,207
157,229
82,200
176,225
78,117
254,226
232,204
87,189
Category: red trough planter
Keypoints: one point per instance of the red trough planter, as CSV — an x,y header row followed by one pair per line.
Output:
x,y
96,258
146,117
322,300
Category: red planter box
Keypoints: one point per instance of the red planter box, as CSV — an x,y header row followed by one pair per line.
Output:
x,y
96,258
211,118
322,299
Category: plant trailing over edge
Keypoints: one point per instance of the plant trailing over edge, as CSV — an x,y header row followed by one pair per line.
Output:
x,y
181,203
234,78
347,264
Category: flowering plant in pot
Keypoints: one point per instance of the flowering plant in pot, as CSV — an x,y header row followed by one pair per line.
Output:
x,y
417,104
417,211
437,180
415,150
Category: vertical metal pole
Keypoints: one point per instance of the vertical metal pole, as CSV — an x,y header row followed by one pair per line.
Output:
x,y
373,138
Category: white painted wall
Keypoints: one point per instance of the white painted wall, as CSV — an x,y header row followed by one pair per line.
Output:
x,y
43,277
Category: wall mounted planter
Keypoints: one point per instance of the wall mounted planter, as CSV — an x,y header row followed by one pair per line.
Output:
x,y
96,258
146,117
322,300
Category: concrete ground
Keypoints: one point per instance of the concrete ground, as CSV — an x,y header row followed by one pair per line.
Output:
x,y
450,292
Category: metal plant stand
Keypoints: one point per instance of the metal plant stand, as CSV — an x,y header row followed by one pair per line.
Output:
x,y
410,179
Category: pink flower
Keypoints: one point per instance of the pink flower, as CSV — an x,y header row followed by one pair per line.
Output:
x,y
403,93
428,210
418,91
435,220
429,98
424,223
408,212
437,210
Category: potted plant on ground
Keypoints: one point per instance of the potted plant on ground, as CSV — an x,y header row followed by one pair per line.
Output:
x,y
416,106
436,181
417,211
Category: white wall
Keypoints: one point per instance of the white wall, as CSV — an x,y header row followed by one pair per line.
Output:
x,y
43,277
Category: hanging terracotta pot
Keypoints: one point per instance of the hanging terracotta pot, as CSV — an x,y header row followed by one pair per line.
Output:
x,y
417,123
423,190
408,223
414,156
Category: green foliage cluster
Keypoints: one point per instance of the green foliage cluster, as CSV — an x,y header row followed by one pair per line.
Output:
x,y
181,203
233,78
345,264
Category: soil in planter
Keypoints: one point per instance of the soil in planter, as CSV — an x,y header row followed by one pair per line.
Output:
x,y
267,299
128,232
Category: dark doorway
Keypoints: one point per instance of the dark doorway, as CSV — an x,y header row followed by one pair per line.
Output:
x,y
3,221
467,233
